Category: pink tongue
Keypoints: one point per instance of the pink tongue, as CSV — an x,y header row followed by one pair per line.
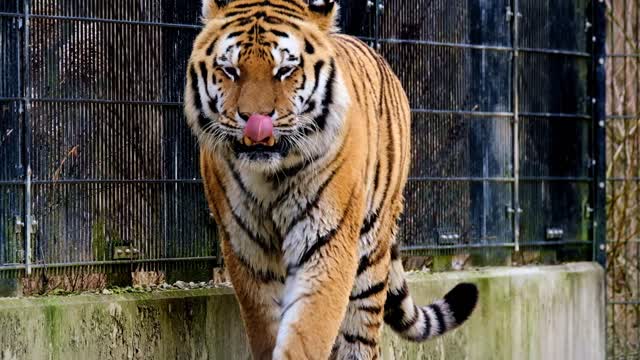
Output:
x,y
259,127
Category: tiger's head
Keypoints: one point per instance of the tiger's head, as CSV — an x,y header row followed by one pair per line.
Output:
x,y
263,86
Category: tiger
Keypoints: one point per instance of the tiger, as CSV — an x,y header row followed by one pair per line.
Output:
x,y
304,140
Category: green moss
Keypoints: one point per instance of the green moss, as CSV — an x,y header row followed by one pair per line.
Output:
x,y
53,320
99,241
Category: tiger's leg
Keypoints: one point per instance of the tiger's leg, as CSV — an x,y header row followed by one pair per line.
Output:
x,y
257,293
362,325
255,272
321,259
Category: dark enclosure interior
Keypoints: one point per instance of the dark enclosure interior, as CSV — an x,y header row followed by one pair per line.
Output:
x,y
98,168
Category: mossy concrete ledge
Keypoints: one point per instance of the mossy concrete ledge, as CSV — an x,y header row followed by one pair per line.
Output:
x,y
551,312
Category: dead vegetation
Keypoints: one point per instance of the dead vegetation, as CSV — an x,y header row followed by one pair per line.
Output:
x,y
623,172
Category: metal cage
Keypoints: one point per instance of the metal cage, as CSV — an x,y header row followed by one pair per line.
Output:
x,y
99,169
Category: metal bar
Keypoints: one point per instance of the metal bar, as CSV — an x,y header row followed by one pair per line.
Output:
x,y
96,101
416,110
635,178
623,55
515,99
494,245
555,115
463,112
461,179
624,302
556,178
481,47
10,14
501,113
503,179
599,131
623,117
103,181
111,262
27,138
376,26
105,20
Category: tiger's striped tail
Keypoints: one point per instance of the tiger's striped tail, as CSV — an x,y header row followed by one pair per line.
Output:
x,y
416,323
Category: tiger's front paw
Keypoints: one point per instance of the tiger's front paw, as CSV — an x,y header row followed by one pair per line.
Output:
x,y
297,349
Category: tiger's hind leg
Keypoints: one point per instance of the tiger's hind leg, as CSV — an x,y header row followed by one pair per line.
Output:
x,y
362,325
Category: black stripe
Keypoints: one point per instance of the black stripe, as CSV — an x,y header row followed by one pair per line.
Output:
x,y
211,46
308,47
373,290
194,88
442,326
394,300
323,240
369,222
384,114
279,21
251,196
262,275
265,3
321,120
248,5
205,77
396,106
293,170
395,252
313,203
311,107
294,4
427,324
352,339
372,309
288,13
238,12
399,324
213,105
235,34
355,51
239,22
316,70
303,83
204,122
279,33
286,192
364,264
319,243
265,276
262,243
372,262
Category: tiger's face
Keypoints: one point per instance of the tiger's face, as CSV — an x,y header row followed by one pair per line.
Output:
x,y
262,84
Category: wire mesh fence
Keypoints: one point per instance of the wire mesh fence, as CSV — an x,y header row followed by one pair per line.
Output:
x,y
623,179
99,171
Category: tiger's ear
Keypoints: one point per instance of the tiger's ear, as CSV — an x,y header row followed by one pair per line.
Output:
x,y
210,8
324,13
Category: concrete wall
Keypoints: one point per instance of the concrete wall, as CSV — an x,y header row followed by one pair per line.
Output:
x,y
553,312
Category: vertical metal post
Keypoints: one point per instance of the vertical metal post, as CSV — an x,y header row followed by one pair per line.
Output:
x,y
376,24
27,139
599,131
515,94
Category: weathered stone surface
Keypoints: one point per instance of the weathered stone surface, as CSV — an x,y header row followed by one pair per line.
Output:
x,y
551,312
